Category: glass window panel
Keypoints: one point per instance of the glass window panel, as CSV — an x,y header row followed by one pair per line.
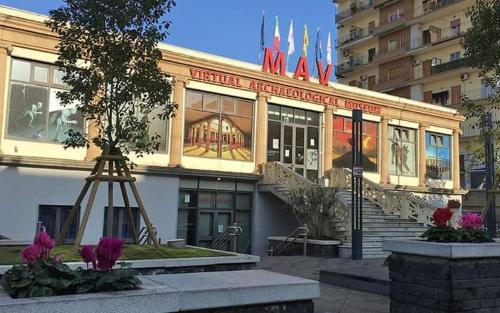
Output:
x,y
188,199
338,123
236,138
206,225
206,200
402,151
201,134
47,215
273,112
287,146
313,118
158,126
58,77
244,220
244,202
41,74
300,116
228,106
28,112
210,103
62,118
71,234
225,200
245,108
21,70
438,158
299,145
312,138
287,115
273,141
194,100
182,224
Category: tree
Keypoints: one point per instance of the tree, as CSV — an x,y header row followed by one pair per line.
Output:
x,y
108,52
481,43
109,56
314,206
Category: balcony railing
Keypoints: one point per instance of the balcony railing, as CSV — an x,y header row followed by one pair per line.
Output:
x,y
394,23
394,83
436,5
448,66
389,54
355,7
482,93
349,65
354,34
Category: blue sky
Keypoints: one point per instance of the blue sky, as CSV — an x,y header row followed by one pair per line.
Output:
x,y
231,28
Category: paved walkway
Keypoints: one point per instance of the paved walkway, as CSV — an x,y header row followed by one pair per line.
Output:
x,y
333,299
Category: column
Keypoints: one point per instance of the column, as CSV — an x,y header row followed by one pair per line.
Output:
x,y
93,151
384,150
456,159
261,128
177,122
328,148
5,51
422,166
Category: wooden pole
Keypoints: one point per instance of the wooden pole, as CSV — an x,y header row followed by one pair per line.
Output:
x,y
90,202
144,215
110,215
127,204
76,207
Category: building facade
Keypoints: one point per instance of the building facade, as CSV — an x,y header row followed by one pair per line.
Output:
x,y
233,119
411,48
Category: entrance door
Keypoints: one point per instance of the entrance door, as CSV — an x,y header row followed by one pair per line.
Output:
x,y
210,225
294,141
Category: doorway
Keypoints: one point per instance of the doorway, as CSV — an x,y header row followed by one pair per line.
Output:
x,y
294,147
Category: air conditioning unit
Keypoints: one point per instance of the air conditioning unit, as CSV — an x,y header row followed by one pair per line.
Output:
x,y
363,77
464,76
416,62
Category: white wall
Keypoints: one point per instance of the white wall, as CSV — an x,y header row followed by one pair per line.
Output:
x,y
270,217
22,189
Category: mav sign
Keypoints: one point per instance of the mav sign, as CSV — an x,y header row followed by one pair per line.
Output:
x,y
276,65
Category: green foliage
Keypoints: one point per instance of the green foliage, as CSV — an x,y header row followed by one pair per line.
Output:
x,y
50,278
314,206
451,234
481,43
109,54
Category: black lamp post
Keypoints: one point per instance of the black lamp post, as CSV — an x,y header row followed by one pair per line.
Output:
x,y
357,185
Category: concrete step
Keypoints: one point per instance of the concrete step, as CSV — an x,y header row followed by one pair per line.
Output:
x,y
374,280
373,229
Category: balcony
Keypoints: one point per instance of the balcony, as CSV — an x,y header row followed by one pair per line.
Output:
x,y
394,83
434,5
395,22
379,3
355,34
386,54
355,7
349,65
448,66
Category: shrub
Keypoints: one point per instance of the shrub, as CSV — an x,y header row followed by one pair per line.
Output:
x,y
43,275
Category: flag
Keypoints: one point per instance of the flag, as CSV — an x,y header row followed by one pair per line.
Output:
x,y
291,43
276,36
305,41
329,50
317,47
262,45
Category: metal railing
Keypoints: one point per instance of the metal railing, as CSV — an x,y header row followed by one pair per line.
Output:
x,y
229,235
145,238
354,35
350,64
354,7
448,66
302,231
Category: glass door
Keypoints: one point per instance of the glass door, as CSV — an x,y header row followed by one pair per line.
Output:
x,y
294,147
210,225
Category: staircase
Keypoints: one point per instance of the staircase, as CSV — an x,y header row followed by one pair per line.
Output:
x,y
378,226
386,213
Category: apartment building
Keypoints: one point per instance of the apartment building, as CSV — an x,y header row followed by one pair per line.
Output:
x,y
411,48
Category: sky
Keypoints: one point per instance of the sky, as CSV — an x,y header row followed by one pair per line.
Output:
x,y
231,28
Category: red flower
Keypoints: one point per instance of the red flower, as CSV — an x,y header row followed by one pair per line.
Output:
x,y
88,256
31,253
108,251
441,217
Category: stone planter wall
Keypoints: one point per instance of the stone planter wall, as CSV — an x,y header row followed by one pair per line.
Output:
x,y
315,248
450,282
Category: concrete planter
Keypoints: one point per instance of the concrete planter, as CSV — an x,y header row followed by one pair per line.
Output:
x,y
435,277
316,248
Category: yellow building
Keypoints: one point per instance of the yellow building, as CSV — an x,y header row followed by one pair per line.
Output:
x,y
411,48
240,140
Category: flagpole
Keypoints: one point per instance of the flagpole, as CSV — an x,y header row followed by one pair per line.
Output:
x,y
262,35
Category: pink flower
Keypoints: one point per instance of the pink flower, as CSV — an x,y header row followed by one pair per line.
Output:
x,y
88,255
31,253
108,251
471,220
44,241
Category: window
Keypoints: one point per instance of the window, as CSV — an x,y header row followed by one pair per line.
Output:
x,y
402,151
121,223
455,28
393,44
395,15
437,156
34,111
440,98
53,217
218,126
342,149
455,56
371,54
435,61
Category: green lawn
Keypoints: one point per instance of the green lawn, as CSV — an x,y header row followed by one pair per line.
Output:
x,y
11,254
